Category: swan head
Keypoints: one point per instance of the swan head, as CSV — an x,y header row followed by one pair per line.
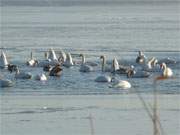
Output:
x,y
102,57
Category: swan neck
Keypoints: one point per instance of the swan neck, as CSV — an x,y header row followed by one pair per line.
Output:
x,y
103,63
83,59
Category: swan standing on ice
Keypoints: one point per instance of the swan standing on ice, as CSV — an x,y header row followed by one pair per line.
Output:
x,y
32,62
69,62
22,75
5,83
84,67
166,71
3,60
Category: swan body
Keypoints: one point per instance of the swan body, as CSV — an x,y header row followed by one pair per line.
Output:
x,y
3,60
69,62
41,77
103,78
121,84
166,71
22,75
115,65
137,74
84,67
5,83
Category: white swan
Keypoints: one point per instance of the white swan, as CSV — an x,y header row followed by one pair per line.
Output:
x,y
32,62
136,73
52,55
115,65
141,58
166,71
47,61
103,78
22,75
84,67
3,60
104,67
69,62
41,77
5,83
62,56
152,66
121,84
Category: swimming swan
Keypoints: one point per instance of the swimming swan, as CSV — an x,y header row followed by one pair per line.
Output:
x,y
104,67
141,58
69,62
166,71
152,65
84,67
3,60
32,62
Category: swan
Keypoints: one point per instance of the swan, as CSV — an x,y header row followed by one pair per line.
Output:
x,y
69,62
120,84
103,78
152,66
32,62
115,65
166,71
141,58
104,67
47,61
5,83
62,56
3,60
41,77
56,71
84,67
52,55
22,75
132,73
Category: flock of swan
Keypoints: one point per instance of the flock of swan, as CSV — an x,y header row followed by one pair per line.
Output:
x,y
54,65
